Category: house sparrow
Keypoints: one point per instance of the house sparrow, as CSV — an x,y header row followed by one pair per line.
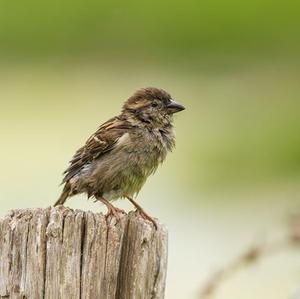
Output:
x,y
118,158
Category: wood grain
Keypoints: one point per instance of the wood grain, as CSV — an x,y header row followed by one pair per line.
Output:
x,y
59,253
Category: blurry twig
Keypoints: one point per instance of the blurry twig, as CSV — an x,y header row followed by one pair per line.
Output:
x,y
253,255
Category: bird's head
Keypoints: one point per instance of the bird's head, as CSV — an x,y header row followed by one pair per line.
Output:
x,y
153,106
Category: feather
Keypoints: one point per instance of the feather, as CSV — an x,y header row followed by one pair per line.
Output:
x,y
101,142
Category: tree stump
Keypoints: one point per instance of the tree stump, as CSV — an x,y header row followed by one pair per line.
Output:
x,y
59,253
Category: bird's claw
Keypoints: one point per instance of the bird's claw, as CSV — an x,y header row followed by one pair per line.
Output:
x,y
114,212
147,217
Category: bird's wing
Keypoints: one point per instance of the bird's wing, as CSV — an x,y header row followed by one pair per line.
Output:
x,y
102,141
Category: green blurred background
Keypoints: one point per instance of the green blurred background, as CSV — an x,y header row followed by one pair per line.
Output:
x,y
67,66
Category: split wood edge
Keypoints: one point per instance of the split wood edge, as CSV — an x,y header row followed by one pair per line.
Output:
x,y
59,253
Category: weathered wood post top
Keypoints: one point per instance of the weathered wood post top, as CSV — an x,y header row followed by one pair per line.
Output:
x,y
59,253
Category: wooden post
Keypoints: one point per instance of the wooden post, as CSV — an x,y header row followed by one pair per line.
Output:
x,y
59,253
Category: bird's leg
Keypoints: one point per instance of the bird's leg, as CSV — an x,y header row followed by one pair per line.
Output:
x,y
111,209
142,211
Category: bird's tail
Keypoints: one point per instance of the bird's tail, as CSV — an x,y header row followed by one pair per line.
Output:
x,y
64,195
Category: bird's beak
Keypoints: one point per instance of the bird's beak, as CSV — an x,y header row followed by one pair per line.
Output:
x,y
174,107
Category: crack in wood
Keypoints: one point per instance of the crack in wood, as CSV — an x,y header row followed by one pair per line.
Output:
x,y
58,253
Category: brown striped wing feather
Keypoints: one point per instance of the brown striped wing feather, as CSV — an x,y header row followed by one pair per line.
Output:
x,y
102,141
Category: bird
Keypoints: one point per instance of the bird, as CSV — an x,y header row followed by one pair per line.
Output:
x,y
117,159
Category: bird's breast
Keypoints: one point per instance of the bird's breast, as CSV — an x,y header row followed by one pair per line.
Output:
x,y
133,159
151,147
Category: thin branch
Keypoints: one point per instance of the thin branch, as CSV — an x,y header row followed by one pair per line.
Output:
x,y
253,255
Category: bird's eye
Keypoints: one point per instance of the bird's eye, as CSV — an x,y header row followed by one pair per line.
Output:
x,y
154,104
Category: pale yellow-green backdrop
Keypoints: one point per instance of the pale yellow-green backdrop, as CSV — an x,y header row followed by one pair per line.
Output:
x,y
67,66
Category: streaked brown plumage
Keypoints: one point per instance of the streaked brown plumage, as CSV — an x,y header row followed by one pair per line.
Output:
x,y
118,158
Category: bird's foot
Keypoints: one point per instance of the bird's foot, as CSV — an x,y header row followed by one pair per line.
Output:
x,y
147,217
112,211
142,212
